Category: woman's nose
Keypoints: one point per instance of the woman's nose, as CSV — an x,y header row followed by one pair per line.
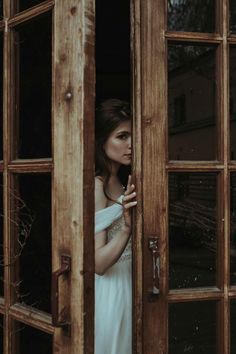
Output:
x,y
129,141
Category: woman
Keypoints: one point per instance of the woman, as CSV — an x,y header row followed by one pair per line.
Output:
x,y
113,287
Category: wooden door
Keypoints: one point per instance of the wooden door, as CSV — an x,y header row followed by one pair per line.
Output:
x,y
46,176
184,107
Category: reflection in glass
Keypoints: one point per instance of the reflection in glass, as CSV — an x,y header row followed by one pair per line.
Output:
x,y
34,233
33,43
191,15
1,238
192,328
1,95
31,340
232,326
233,102
232,15
192,230
233,229
191,102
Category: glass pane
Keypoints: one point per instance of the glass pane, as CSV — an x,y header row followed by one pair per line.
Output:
x,y
112,50
25,4
1,333
233,326
232,4
233,102
191,15
1,8
33,236
191,106
192,229
31,340
1,238
192,328
33,43
233,229
1,95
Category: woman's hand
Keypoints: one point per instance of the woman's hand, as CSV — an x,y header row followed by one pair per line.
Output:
x,y
128,203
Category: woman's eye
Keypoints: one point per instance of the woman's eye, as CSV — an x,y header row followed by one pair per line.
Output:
x,y
123,136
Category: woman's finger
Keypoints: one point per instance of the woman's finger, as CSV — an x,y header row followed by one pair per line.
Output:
x,y
130,205
129,197
128,185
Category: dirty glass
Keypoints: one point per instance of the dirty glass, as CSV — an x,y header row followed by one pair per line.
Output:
x,y
31,340
232,15
1,238
1,9
33,42
192,102
232,102
232,326
33,240
233,229
192,328
191,15
1,95
192,229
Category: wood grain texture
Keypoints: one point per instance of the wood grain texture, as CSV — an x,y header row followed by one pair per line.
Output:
x,y
73,177
154,173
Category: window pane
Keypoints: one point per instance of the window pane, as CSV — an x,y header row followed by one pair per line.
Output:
x,y
192,328
191,15
233,326
25,4
112,50
233,229
191,106
1,95
33,220
232,15
192,230
1,332
33,43
1,238
233,102
31,340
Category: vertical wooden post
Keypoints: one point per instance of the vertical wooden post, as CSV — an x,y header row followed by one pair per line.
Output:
x,y
73,177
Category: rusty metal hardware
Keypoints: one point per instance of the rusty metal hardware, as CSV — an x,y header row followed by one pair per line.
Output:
x,y
63,270
153,247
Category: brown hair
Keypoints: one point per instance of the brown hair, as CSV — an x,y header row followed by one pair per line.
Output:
x,y
109,114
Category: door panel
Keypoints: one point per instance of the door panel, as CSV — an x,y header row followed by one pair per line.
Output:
x,y
46,174
186,192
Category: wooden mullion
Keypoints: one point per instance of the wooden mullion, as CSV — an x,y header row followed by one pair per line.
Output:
x,y
30,13
193,37
225,197
194,166
30,166
32,317
137,173
6,118
195,294
232,39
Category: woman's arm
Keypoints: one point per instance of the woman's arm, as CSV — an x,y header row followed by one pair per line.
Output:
x,y
107,253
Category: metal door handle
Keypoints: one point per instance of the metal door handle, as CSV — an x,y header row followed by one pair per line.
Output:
x,y
153,247
64,269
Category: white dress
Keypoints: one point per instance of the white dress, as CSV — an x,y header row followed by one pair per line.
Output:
x,y
113,292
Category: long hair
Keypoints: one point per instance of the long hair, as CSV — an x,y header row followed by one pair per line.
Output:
x,y
109,115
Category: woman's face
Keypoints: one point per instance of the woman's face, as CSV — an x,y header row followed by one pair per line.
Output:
x,y
118,145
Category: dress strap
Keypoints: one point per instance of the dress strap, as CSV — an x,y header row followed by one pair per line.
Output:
x,y
105,217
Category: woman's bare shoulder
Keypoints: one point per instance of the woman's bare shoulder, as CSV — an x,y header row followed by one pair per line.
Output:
x,y
100,198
